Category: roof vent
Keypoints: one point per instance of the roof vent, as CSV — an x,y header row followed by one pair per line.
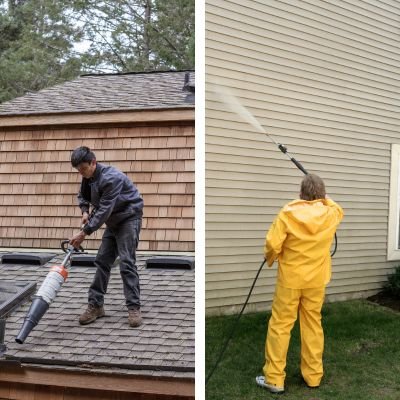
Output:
x,y
189,86
27,258
180,263
83,260
3,347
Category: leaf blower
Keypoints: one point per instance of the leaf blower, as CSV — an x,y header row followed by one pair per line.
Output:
x,y
47,293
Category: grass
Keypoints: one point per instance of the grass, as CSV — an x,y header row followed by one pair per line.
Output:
x,y
361,357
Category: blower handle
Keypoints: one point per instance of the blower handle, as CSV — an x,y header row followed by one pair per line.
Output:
x,y
65,248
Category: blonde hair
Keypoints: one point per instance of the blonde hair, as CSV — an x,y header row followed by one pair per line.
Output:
x,y
312,188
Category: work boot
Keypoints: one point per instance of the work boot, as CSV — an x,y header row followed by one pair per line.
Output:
x,y
91,314
135,317
269,386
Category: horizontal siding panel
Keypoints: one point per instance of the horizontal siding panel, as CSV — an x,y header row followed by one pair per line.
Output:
x,y
304,111
289,22
277,125
217,237
234,122
239,245
269,210
216,197
289,187
255,172
347,144
284,165
311,59
246,194
303,115
362,283
376,222
309,77
324,19
372,82
240,175
371,250
266,155
222,282
263,297
229,262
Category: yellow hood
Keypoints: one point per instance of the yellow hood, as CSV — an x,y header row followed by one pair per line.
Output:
x,y
313,216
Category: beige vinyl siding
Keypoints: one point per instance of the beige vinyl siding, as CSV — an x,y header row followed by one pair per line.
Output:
x,y
323,78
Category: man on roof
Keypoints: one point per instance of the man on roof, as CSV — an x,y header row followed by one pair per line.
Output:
x,y
118,204
300,239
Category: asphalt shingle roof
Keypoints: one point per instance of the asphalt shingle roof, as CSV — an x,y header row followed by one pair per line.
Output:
x,y
163,346
108,92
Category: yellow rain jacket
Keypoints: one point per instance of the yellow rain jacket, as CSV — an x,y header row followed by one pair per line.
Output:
x,y
300,239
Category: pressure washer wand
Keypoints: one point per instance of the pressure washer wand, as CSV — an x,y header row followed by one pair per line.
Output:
x,y
46,294
283,149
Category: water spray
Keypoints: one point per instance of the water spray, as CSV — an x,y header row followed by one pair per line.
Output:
x,y
47,293
226,97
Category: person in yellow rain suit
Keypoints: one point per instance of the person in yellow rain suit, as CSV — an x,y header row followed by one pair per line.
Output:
x,y
300,239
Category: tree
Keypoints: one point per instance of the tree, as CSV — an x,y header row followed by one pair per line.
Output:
x,y
36,47
128,35
39,39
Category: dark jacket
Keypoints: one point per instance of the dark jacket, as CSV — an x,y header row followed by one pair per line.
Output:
x,y
114,197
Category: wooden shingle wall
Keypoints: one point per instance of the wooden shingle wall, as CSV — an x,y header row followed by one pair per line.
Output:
x,y
38,186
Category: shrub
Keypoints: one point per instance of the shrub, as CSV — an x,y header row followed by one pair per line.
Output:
x,y
392,286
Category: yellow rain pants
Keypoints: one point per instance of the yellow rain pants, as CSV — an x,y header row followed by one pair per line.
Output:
x,y
287,303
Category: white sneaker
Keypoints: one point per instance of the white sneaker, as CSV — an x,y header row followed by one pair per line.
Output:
x,y
269,386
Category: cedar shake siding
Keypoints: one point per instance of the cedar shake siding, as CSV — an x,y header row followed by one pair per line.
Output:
x,y
153,146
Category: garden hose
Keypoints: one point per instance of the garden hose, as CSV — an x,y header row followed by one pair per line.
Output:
x,y
234,325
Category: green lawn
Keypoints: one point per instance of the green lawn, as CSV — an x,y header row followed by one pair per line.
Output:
x,y
361,358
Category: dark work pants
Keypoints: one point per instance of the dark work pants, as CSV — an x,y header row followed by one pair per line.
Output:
x,y
123,241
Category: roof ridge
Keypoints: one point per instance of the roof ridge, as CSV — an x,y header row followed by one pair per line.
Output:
x,y
138,73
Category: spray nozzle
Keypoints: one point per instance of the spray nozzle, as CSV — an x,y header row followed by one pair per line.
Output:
x,y
282,148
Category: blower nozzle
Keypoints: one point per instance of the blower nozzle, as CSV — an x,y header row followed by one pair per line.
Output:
x,y
37,310
44,297
47,293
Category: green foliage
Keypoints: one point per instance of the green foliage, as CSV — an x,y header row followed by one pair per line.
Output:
x,y
173,34
39,39
128,35
361,356
37,49
393,284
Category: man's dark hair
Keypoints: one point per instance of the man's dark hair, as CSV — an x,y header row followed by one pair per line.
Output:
x,y
82,154
312,188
